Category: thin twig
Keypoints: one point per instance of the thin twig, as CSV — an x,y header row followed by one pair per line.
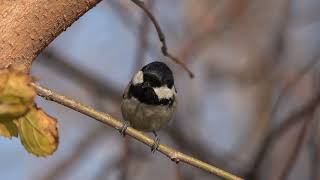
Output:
x,y
162,38
171,153
296,150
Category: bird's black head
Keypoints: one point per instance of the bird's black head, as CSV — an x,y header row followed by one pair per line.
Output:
x,y
157,74
153,84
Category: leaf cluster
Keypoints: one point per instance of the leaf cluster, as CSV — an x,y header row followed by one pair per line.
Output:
x,y
20,117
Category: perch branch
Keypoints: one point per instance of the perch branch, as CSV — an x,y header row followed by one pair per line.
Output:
x,y
162,38
102,89
171,153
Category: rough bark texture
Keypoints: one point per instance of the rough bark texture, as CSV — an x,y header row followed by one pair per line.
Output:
x,y
28,26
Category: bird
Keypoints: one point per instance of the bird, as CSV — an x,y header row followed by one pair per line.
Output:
x,y
149,100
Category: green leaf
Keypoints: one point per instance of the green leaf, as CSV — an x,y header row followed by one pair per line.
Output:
x,y
38,132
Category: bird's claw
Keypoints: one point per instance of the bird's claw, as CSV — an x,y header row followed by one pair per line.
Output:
x,y
156,144
124,128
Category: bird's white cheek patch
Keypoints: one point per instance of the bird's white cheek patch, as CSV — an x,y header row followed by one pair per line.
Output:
x,y
138,78
164,92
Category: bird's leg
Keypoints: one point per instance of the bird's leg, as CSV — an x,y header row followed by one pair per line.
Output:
x,y
156,144
124,128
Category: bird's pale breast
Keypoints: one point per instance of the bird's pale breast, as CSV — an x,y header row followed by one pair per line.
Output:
x,y
146,117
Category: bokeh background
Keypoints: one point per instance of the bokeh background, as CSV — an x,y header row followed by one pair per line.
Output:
x,y
251,108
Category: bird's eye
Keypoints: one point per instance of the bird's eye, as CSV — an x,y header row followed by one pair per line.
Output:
x,y
152,80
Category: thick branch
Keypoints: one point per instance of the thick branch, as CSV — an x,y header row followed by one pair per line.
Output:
x,y
173,154
28,26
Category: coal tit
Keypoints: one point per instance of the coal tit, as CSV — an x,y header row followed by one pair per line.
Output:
x,y
149,100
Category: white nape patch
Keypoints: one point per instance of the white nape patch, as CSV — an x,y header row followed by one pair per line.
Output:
x,y
164,92
138,78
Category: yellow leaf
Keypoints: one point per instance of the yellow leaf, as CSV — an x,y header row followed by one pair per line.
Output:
x,y
17,88
16,95
12,111
38,132
8,129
